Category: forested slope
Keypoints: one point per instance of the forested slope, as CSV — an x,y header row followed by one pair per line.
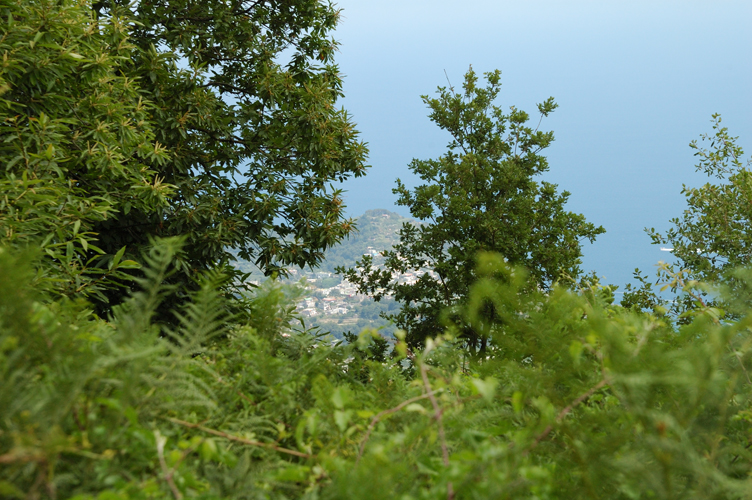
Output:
x,y
376,230
373,232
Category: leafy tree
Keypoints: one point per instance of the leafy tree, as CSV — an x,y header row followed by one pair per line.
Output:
x,y
76,141
212,120
481,195
713,237
255,142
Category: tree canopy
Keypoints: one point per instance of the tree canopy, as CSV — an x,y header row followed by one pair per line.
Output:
x,y
78,145
712,239
481,195
216,121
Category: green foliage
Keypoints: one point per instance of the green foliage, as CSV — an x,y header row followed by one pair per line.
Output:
x,y
185,391
377,229
479,196
712,238
643,295
574,398
77,390
254,142
74,141
108,142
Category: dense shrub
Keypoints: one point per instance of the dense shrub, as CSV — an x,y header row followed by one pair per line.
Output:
x,y
574,398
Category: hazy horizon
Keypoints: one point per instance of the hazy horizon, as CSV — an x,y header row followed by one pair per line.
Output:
x,y
635,83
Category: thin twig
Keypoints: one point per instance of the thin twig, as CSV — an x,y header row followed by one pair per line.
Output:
x,y
736,457
41,476
22,457
741,363
451,87
563,413
643,340
238,439
375,420
437,415
249,400
166,472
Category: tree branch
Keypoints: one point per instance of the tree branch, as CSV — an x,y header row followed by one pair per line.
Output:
x,y
437,415
167,473
563,413
238,439
375,420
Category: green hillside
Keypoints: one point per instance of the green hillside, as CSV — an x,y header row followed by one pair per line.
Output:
x,y
376,231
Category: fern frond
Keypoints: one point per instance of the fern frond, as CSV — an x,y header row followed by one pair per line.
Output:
x,y
136,313
202,319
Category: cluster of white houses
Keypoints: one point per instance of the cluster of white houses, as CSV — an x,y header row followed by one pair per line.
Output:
x,y
333,301
339,299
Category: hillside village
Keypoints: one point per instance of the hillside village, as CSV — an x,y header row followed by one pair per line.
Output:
x,y
341,298
334,304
